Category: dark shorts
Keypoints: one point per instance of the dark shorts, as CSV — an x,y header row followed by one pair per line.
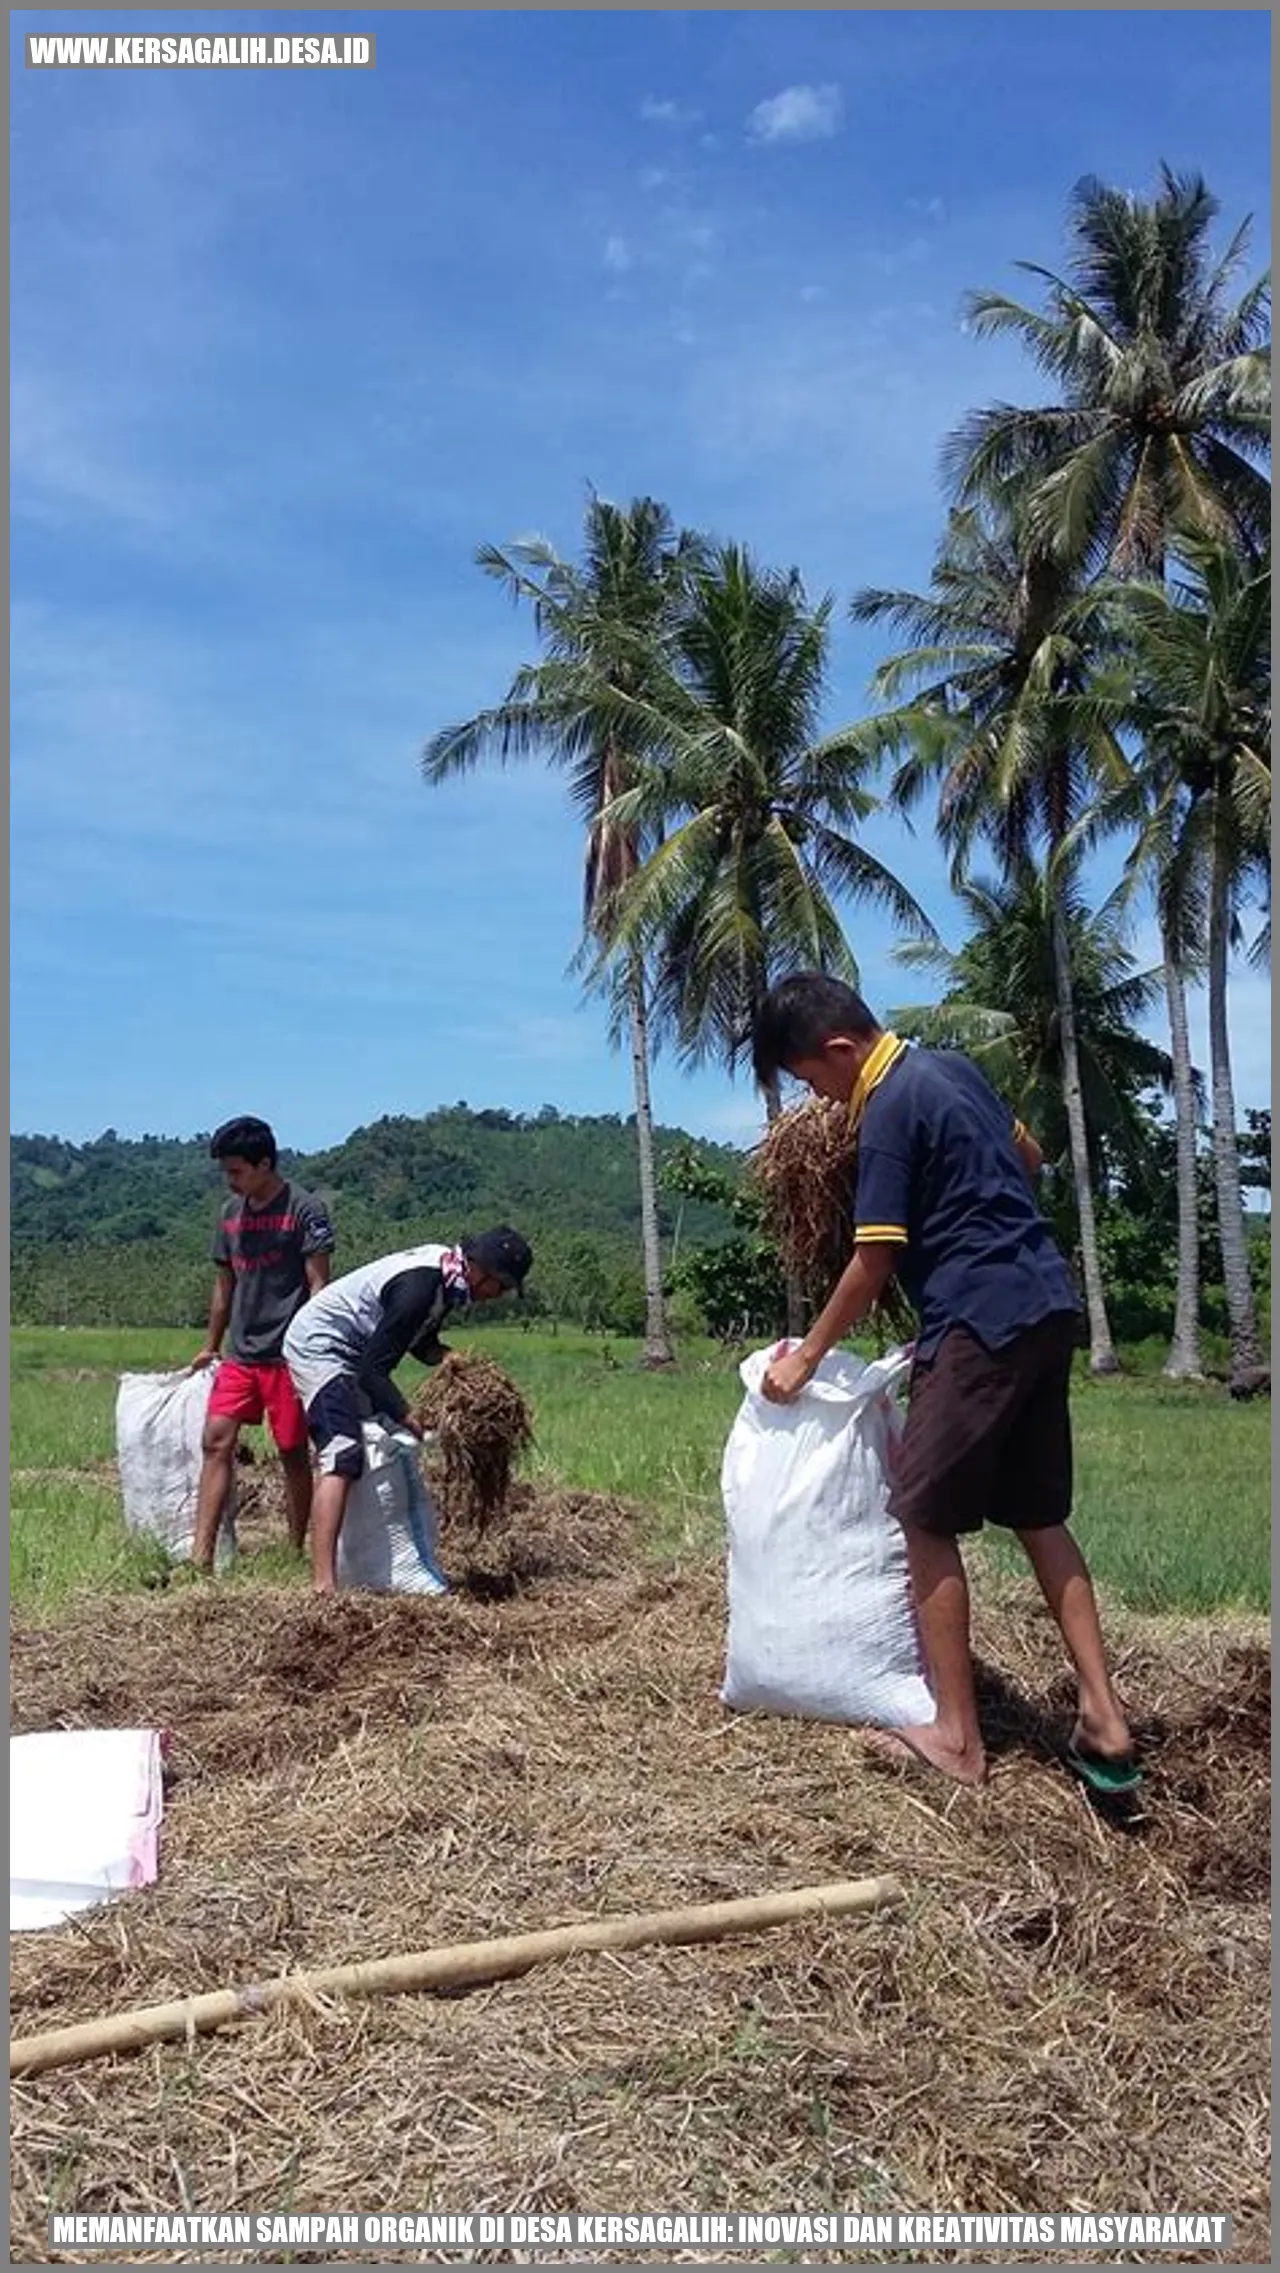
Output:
x,y
334,1424
988,1434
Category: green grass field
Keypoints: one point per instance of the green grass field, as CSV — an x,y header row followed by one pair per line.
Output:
x,y
1173,1502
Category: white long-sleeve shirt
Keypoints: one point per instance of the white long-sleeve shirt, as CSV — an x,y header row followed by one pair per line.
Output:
x,y
367,1321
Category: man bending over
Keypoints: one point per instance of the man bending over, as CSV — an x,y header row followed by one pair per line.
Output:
x,y
343,1348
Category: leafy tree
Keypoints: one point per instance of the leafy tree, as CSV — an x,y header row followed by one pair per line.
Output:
x,y
739,1284
604,624
749,815
1161,429
1181,917
1254,1147
998,722
756,815
1138,1227
80,1256
1000,1005
1163,378
1200,699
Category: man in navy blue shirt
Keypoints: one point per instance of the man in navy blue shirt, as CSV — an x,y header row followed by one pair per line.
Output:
x,y
944,1198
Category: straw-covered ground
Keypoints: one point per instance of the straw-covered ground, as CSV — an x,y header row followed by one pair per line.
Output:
x,y
1071,2011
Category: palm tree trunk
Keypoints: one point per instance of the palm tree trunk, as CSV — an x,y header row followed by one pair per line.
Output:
x,y
657,1342
1183,1361
797,1306
1241,1324
1102,1356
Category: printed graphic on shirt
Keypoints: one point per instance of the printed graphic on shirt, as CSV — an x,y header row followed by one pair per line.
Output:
x,y
266,1251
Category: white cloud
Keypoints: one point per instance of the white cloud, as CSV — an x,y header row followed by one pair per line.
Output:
x,y
668,113
798,114
618,255
811,293
905,256
654,177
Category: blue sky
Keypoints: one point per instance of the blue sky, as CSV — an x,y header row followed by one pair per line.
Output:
x,y
287,347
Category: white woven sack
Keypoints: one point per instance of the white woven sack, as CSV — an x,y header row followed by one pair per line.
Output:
x,y
820,1616
85,1806
160,1421
387,1544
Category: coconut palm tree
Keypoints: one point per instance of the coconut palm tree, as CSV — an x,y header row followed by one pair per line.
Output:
x,y
996,719
604,622
1163,425
757,815
999,1004
1137,810
1179,913
1164,382
1200,702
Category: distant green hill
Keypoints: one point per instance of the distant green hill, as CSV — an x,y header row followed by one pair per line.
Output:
x,y
117,1232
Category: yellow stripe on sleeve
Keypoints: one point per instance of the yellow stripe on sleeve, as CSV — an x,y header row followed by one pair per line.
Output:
x,y
883,1233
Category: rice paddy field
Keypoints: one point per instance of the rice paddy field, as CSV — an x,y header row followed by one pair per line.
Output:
x,y
1173,1484
1070,2010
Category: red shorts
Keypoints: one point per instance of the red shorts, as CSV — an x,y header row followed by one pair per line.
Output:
x,y
244,1392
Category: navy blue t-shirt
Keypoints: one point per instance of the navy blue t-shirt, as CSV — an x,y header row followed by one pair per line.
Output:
x,y
939,1176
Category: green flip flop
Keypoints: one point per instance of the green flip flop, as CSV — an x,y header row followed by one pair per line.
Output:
x,y
1109,1776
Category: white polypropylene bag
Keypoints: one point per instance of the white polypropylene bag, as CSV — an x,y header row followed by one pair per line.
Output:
x,y
387,1543
820,1616
160,1421
84,1820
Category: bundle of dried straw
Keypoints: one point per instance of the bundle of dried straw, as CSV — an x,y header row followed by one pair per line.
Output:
x,y
481,1424
806,1169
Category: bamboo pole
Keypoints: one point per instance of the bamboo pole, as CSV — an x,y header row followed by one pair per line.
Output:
x,y
460,1965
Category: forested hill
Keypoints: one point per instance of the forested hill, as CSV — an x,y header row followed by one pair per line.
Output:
x,y
138,1213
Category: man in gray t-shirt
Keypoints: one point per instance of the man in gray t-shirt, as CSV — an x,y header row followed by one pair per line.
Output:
x,y
271,1252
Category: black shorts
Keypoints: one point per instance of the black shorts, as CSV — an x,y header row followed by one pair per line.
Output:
x,y
988,1434
334,1426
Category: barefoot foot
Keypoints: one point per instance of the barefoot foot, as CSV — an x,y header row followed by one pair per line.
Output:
x,y
886,1745
964,1764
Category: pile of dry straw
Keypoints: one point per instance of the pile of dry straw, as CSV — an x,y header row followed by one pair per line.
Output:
x,y
1072,2010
